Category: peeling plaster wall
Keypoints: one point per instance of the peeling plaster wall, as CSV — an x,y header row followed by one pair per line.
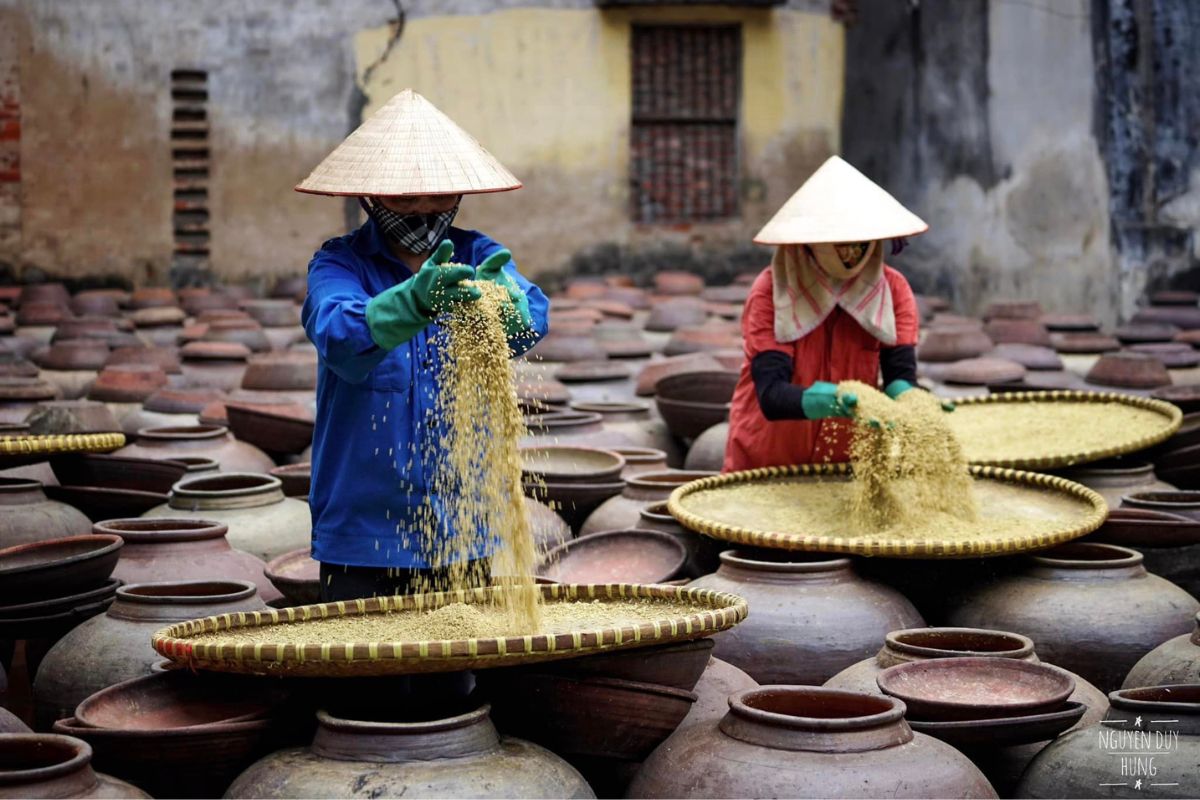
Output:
x,y
547,90
96,182
987,130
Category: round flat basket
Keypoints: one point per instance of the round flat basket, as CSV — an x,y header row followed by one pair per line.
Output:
x,y
381,635
27,449
806,508
1044,430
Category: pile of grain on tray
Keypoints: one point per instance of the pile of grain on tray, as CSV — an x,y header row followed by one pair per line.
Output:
x,y
908,465
475,491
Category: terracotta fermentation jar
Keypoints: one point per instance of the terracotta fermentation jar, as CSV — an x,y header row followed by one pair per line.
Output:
x,y
800,741
1152,727
1089,608
262,521
212,441
461,756
812,616
27,515
641,490
115,646
180,549
48,765
1115,478
1174,661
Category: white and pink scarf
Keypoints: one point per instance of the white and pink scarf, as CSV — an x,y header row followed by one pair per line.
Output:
x,y
805,294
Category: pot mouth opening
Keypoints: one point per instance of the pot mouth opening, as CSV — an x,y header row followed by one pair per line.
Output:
x,y
611,407
1166,498
640,454
1113,466
14,485
657,511
40,755
1088,555
404,718
1186,694
183,432
657,480
767,560
141,530
226,484
174,592
197,463
815,707
960,641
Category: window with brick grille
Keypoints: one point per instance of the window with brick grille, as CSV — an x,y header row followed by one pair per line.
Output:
x,y
686,94
190,160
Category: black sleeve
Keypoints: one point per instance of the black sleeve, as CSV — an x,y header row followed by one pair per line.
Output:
x,y
778,397
898,364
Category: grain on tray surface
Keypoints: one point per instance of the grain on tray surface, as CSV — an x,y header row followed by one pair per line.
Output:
x,y
1027,430
458,621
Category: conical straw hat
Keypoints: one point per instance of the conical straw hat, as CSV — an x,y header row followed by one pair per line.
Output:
x,y
839,204
409,147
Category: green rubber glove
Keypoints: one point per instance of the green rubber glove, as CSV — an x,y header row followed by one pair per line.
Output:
x,y
400,313
821,401
520,321
897,388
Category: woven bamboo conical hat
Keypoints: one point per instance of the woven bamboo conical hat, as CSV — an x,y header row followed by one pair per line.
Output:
x,y
409,147
839,204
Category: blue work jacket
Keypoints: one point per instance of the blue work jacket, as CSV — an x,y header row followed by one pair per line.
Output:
x,y
369,479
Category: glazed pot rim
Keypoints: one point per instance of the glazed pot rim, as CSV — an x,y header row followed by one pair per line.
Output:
x,y
1119,557
1151,499
80,758
1023,645
666,477
175,433
826,563
1107,469
610,407
108,543
253,483
639,454
157,530
17,485
1128,699
234,590
331,721
890,709
657,511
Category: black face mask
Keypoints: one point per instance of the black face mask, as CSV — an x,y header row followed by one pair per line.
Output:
x,y
412,233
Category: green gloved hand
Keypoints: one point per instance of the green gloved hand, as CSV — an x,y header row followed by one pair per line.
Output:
x,y
899,387
519,321
400,313
821,401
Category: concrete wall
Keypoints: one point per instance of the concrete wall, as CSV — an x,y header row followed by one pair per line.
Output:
x,y
95,155
548,91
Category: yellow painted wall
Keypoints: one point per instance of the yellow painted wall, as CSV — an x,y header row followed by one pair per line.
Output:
x,y
549,93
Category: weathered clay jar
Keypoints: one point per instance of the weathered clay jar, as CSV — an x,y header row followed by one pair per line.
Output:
x,y
127,383
719,680
182,549
1084,343
241,331
1174,661
49,765
1013,309
703,553
622,511
571,428
1090,608
641,459
920,644
211,441
1169,543
165,358
281,372
1129,371
1017,331
794,741
280,320
813,615
1159,725
460,756
1029,356
707,452
115,646
96,303
214,365
667,315
262,521
72,365
1115,478
296,478
1185,504
27,515
632,419
649,376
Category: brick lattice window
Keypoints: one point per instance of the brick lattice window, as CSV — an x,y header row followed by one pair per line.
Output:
x,y
686,93
190,161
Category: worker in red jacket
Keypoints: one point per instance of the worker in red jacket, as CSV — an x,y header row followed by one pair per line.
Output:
x,y
827,309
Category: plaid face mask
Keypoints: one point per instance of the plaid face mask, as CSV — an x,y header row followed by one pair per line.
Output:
x,y
412,233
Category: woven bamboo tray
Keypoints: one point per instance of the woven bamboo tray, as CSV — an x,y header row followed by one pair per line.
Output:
x,y
714,612
1026,454
1044,532
28,449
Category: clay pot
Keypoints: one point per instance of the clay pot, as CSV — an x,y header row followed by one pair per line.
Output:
x,y
1129,370
1090,608
115,647
285,288
19,396
1084,343
1187,397
813,615
1173,355
703,338
242,331
86,355
1070,322
1115,478
655,371
214,365
152,297
452,757
719,680
981,371
549,529
117,472
571,428
1013,309
621,512
621,556
56,568
641,459
26,515
127,383
165,358
1169,543
703,553
1184,317
261,520
96,304
633,420
1167,720
1031,357
707,452
280,430
572,480
44,293
675,282
1184,504
1174,661
180,549
921,644
1017,331
297,576
281,372
692,402
55,417
668,315
210,441
296,478
792,741
50,765
1147,332
559,346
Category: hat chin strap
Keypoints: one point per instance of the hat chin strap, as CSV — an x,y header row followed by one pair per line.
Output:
x,y
831,263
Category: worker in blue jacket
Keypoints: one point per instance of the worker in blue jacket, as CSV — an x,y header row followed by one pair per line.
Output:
x,y
372,309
